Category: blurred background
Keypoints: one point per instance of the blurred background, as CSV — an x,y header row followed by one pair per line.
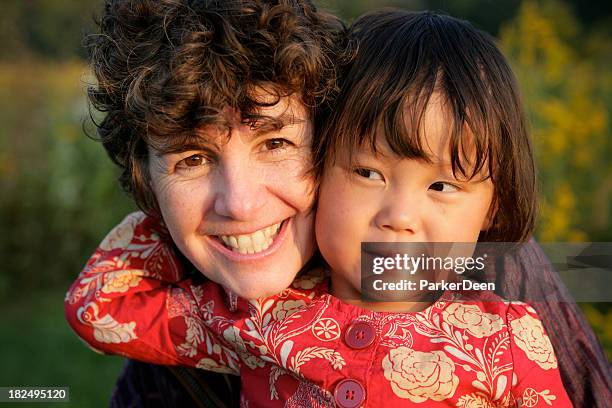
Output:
x,y
59,195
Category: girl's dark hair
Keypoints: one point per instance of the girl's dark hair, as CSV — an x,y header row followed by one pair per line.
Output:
x,y
167,67
400,59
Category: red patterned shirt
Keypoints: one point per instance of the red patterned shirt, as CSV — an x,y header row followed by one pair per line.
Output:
x,y
304,347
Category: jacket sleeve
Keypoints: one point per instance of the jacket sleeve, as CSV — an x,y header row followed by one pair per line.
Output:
x,y
133,298
536,379
585,369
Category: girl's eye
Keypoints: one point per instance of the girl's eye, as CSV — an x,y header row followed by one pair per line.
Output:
x,y
369,174
194,160
275,144
444,187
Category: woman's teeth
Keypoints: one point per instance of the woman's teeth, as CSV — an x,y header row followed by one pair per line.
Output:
x,y
252,243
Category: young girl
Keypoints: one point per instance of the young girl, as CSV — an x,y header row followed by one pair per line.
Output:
x,y
426,143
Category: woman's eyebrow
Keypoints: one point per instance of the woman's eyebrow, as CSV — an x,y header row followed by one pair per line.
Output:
x,y
180,148
290,119
261,126
266,124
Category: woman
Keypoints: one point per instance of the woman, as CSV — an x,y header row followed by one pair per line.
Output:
x,y
248,76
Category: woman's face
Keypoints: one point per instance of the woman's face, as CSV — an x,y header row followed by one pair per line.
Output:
x,y
239,206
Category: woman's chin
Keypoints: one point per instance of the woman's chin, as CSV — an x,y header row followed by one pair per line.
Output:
x,y
253,275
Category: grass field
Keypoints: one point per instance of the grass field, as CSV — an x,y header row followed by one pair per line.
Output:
x,y
39,349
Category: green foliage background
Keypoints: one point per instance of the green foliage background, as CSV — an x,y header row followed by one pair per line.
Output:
x,y
58,194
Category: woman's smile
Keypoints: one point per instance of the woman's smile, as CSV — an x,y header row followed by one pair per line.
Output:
x,y
252,246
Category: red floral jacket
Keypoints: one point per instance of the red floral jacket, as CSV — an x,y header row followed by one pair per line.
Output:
x,y
304,347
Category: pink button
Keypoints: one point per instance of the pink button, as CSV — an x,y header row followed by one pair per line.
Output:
x,y
359,335
349,393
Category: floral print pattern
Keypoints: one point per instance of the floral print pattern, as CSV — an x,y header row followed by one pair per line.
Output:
x,y
530,337
474,401
326,329
472,319
284,309
121,281
419,376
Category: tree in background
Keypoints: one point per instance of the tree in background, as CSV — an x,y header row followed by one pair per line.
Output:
x,y
564,72
58,188
51,29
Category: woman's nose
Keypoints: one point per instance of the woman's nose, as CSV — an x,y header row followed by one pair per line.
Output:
x,y
241,192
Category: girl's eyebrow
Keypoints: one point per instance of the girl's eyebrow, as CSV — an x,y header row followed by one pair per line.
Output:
x,y
445,164
447,168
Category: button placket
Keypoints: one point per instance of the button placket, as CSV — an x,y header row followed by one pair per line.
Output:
x,y
350,392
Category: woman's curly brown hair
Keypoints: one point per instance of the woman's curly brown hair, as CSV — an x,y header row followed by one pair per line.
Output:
x,y
167,67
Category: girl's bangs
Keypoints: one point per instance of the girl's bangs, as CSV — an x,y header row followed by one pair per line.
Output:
x,y
401,123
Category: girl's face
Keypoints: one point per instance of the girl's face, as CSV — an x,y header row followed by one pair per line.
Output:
x,y
385,198
240,207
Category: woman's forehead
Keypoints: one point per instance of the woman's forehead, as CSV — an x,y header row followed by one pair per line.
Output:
x,y
275,101
273,116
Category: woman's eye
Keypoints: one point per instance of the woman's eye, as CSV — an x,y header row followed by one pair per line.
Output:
x,y
194,160
275,144
369,174
443,187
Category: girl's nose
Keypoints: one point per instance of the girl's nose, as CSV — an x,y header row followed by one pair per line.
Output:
x,y
399,213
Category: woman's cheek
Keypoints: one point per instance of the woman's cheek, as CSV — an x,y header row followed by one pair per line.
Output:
x,y
291,180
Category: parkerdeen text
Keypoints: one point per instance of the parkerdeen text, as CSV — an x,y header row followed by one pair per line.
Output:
x,y
423,284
